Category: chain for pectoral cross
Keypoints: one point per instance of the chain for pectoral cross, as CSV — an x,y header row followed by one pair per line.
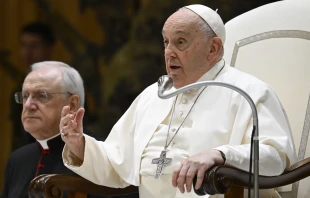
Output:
x,y
162,160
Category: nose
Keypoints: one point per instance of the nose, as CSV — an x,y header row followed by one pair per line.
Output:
x,y
169,51
30,103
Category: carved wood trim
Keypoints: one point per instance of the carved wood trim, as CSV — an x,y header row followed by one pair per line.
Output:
x,y
54,186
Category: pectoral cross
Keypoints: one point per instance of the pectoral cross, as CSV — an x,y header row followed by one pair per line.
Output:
x,y
161,162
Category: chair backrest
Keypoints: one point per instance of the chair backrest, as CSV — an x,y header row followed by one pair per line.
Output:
x,y
272,42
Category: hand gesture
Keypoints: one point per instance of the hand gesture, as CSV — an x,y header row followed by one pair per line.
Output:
x,y
71,129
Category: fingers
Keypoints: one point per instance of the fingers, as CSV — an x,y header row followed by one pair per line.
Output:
x,y
69,128
189,178
65,110
66,120
184,174
200,177
79,116
182,178
69,122
176,175
186,177
66,117
66,123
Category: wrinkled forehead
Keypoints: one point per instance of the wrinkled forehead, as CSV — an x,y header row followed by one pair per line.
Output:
x,y
182,21
44,79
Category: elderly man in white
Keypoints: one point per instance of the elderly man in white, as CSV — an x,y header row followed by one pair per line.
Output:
x,y
195,130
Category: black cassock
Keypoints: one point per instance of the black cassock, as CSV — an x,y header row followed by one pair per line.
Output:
x,y
32,160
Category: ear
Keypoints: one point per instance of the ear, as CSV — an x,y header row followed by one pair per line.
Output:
x,y
215,49
74,103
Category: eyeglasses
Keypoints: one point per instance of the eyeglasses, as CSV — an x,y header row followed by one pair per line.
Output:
x,y
38,96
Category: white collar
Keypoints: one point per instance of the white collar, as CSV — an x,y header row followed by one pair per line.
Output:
x,y
213,72
209,75
44,144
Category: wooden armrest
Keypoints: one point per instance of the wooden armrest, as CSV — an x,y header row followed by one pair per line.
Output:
x,y
55,186
219,179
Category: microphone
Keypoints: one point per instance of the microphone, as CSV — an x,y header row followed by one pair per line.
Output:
x,y
165,83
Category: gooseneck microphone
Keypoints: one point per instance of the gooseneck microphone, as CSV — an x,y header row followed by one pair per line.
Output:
x,y
165,83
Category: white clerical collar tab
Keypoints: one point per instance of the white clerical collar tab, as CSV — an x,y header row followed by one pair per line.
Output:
x,y
213,72
44,144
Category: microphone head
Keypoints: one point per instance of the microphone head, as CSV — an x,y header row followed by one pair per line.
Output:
x,y
165,83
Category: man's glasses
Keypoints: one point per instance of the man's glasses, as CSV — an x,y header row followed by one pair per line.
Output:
x,y
38,96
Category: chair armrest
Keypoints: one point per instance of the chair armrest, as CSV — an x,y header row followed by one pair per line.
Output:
x,y
57,184
220,179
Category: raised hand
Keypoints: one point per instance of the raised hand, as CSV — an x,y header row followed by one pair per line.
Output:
x,y
198,164
71,129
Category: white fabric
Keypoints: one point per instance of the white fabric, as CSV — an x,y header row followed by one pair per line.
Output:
x,y
211,18
221,119
178,150
281,61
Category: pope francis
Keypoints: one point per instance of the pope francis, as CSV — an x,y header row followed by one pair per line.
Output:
x,y
160,145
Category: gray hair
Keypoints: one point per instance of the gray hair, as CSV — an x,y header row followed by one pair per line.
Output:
x,y
204,26
72,81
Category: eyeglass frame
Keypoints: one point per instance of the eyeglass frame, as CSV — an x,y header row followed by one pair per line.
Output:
x,y
20,99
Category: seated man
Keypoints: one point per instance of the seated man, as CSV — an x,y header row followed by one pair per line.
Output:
x,y
191,132
46,90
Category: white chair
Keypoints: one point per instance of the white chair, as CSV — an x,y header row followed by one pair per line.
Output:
x,y
272,42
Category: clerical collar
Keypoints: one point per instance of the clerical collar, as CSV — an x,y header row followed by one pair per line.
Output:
x,y
44,144
209,75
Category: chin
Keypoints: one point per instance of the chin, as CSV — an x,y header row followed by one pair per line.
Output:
x,y
176,83
31,127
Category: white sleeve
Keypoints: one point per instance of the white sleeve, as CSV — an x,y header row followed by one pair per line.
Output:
x,y
96,166
276,146
113,162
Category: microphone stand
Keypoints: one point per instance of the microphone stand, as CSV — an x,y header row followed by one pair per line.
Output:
x,y
165,83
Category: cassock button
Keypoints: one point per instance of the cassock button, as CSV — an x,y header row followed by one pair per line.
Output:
x,y
184,101
173,130
181,113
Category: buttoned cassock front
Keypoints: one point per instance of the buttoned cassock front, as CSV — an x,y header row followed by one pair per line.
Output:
x,y
220,119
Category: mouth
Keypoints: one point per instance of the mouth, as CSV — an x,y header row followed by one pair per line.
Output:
x,y
174,67
31,118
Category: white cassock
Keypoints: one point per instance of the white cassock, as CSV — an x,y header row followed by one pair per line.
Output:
x,y
220,119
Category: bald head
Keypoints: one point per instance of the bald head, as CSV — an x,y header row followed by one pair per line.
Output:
x,y
71,81
51,75
181,20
